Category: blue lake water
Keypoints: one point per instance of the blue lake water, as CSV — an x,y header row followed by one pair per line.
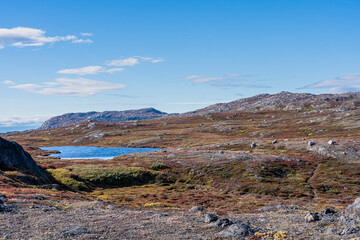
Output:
x,y
75,152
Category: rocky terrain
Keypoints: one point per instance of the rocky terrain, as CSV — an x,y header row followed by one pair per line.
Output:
x,y
287,101
107,116
285,167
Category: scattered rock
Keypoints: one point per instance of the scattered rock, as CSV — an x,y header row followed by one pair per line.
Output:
x,y
74,232
210,217
353,210
196,209
160,215
237,230
221,152
110,207
253,145
350,230
331,142
275,141
311,143
171,156
311,217
222,222
331,231
327,211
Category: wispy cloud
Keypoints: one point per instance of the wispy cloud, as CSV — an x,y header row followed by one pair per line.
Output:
x,y
132,61
79,87
346,83
32,37
9,121
229,81
201,79
86,34
237,84
7,82
89,70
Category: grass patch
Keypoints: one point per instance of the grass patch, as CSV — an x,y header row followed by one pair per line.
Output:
x,y
158,166
85,176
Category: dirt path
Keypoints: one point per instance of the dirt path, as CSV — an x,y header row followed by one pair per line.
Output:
x,y
312,189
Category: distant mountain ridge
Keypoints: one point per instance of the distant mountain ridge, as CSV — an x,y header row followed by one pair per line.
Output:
x,y
107,116
286,101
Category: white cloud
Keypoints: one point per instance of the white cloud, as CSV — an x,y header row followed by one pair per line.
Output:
x,y
82,41
346,83
132,61
112,70
201,79
86,34
32,37
232,80
89,70
79,87
8,82
27,87
21,120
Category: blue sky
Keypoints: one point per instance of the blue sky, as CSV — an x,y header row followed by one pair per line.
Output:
x,y
177,56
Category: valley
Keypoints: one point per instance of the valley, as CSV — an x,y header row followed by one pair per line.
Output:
x,y
227,162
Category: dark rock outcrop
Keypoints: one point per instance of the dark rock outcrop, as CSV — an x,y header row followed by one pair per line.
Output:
x,y
14,157
108,116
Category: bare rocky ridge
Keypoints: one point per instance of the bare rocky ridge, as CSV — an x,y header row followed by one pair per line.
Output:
x,y
107,116
286,101
13,157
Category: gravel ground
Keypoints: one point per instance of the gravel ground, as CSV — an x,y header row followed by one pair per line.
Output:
x,y
101,220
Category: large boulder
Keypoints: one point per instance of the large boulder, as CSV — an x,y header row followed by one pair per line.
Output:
x,y
14,157
237,231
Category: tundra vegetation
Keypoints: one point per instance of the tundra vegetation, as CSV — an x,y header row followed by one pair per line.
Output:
x,y
209,160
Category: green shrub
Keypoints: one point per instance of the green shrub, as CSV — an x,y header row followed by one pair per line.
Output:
x,y
81,177
67,178
158,166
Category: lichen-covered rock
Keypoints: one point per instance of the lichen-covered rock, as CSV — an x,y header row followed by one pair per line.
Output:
x,y
196,209
311,143
210,217
222,222
237,230
353,210
14,157
312,217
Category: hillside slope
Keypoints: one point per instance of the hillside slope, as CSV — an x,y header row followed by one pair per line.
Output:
x,y
107,116
286,101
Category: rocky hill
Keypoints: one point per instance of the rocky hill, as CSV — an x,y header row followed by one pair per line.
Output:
x,y
287,101
107,116
13,157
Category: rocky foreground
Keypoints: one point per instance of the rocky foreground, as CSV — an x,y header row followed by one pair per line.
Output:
x,y
103,220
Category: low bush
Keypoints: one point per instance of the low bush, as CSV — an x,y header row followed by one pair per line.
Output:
x,y
158,166
83,177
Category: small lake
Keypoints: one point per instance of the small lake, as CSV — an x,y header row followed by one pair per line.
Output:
x,y
76,152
